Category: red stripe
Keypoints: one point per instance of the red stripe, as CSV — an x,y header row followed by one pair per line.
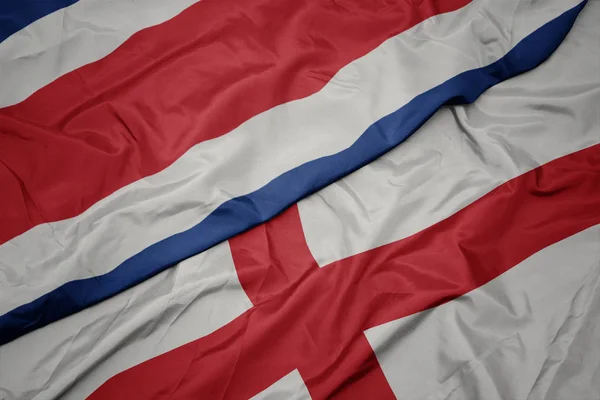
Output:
x,y
272,256
169,87
315,322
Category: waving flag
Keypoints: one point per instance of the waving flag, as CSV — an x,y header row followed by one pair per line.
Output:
x,y
152,155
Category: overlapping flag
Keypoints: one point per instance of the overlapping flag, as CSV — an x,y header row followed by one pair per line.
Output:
x,y
294,199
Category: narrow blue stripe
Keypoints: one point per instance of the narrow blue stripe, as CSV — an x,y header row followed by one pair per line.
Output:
x,y
17,14
242,213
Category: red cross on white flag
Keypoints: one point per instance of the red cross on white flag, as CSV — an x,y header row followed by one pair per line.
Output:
x,y
313,319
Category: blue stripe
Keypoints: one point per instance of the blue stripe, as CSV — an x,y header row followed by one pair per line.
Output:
x,y
17,14
242,213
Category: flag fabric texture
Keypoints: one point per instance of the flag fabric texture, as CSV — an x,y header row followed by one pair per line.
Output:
x,y
295,199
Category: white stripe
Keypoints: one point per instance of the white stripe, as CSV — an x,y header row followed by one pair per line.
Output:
x,y
464,152
262,148
508,339
290,387
72,37
74,356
